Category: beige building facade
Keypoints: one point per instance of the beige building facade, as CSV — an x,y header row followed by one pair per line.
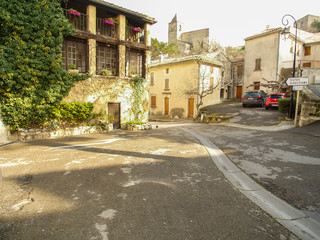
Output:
x,y
176,85
113,44
269,57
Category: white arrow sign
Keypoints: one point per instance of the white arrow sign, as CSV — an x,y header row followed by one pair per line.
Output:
x,y
297,81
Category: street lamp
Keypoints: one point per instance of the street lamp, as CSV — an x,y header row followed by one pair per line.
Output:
x,y
286,34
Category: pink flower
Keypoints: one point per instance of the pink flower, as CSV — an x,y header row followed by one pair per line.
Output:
x,y
108,22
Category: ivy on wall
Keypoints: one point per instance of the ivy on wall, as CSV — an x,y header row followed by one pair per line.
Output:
x,y
32,79
137,83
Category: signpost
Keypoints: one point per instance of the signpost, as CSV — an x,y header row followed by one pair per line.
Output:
x,y
297,81
297,85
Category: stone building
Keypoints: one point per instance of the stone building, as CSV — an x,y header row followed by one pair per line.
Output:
x,y
176,85
187,41
112,40
305,23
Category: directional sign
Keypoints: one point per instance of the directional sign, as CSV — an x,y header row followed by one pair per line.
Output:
x,y
297,88
297,81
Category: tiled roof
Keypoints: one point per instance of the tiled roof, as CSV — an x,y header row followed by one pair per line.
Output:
x,y
264,33
201,58
303,36
144,17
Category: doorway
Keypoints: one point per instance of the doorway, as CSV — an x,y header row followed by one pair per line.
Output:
x,y
190,107
115,110
239,92
166,106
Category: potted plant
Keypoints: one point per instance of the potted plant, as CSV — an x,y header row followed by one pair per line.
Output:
x,y
106,72
72,68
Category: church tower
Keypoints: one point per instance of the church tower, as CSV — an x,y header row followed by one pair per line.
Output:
x,y
175,30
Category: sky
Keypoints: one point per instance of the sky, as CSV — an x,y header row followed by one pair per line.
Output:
x,y
229,21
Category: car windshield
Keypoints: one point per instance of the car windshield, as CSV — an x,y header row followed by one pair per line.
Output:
x,y
276,96
251,94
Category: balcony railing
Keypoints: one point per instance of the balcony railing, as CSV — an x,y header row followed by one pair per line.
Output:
x,y
78,20
107,29
134,34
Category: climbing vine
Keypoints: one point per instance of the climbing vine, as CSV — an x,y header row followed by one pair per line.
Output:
x,y
32,78
137,83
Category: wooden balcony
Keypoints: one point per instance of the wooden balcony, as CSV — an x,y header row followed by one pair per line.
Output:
x,y
106,28
77,19
134,34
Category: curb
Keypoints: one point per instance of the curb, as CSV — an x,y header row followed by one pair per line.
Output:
x,y
291,218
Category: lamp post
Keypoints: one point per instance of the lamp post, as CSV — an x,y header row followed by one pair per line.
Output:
x,y
286,34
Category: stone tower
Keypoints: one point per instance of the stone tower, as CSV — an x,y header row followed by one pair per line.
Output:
x,y
175,30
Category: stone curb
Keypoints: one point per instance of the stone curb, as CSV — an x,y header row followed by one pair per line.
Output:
x,y
291,218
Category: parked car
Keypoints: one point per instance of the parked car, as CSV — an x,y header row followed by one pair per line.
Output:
x,y
254,98
272,100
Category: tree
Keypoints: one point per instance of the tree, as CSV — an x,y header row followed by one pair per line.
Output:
x,y
32,79
199,84
162,48
316,24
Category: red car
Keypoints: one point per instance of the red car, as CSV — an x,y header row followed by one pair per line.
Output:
x,y
272,100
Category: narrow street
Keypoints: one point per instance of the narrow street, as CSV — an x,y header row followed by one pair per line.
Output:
x,y
164,183
158,184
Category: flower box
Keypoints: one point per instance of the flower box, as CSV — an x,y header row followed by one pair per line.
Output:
x,y
108,22
137,29
73,12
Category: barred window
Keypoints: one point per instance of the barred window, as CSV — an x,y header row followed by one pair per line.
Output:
x,y
74,51
107,56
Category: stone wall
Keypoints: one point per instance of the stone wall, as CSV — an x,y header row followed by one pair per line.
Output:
x,y
310,108
3,133
100,90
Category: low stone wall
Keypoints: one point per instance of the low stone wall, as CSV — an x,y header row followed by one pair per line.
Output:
x,y
310,112
136,127
33,134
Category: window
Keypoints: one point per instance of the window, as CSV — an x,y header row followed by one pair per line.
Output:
x,y
166,84
306,65
258,64
256,85
167,70
153,101
152,78
74,51
107,58
239,71
135,63
307,50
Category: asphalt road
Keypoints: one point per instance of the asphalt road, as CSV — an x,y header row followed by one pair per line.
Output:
x,y
286,161
158,184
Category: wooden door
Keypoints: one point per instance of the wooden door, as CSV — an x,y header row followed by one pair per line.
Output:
x,y
114,109
190,107
166,106
239,92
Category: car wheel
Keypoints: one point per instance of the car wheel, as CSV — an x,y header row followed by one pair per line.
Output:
x,y
243,105
267,108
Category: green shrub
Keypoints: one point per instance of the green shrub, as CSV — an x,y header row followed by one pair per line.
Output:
x,y
284,105
71,113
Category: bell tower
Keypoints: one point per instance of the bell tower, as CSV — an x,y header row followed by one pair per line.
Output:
x,y
175,30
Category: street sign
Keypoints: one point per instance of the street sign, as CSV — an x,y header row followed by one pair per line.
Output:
x,y
297,81
297,88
